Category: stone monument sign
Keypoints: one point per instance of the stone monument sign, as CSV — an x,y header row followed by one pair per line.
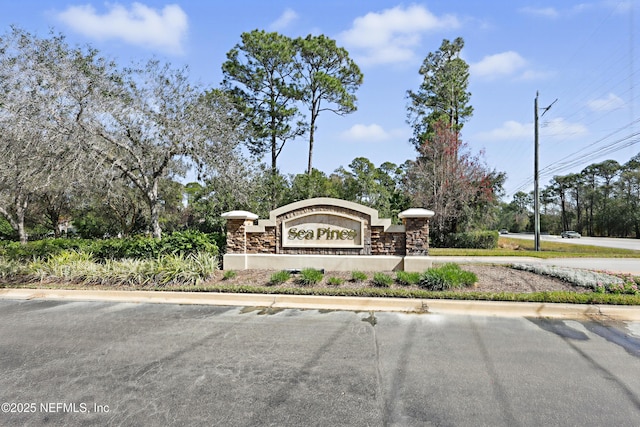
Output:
x,y
327,233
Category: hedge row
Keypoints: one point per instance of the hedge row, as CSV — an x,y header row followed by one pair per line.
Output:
x,y
183,242
471,240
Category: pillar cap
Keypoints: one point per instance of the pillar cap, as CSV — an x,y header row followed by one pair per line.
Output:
x,y
239,215
416,213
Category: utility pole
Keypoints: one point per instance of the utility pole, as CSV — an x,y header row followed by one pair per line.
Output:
x,y
536,192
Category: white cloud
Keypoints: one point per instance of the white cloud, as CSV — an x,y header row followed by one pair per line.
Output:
x,y
553,13
372,133
140,25
529,75
510,130
392,35
546,12
287,17
560,129
611,102
365,133
582,7
498,65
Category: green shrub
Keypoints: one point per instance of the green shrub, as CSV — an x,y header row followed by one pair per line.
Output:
x,y
279,277
108,249
229,274
407,278
469,240
447,277
335,281
310,276
358,276
220,239
382,280
6,230
188,242
42,248
142,247
137,247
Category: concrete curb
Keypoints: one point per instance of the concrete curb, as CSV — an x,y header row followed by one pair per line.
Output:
x,y
406,305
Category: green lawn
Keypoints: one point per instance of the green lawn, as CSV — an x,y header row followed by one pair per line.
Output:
x,y
520,247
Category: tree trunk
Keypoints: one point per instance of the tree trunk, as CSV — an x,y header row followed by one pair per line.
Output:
x,y
274,171
565,222
578,212
21,208
54,217
155,210
311,134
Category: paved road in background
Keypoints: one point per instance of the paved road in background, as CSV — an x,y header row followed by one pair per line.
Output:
x,y
633,244
72,363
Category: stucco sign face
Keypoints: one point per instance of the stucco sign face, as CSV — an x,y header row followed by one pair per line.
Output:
x,y
323,229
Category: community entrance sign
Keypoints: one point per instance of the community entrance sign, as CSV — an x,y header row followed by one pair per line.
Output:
x,y
323,229
327,233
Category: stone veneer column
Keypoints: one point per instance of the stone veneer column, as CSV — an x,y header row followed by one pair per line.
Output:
x,y
416,223
237,222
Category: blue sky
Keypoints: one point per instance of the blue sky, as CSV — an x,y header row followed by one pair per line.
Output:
x,y
582,53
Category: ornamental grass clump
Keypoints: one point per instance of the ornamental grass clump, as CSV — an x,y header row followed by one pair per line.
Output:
x,y
10,268
126,272
407,278
279,277
166,269
335,281
310,277
180,269
382,280
449,276
67,264
229,274
358,276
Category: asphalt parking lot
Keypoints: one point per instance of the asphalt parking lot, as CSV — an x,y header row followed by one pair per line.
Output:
x,y
98,363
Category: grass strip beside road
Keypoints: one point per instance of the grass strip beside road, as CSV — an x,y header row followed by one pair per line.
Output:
x,y
562,297
525,248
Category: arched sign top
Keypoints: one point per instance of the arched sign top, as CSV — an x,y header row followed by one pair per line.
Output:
x,y
328,201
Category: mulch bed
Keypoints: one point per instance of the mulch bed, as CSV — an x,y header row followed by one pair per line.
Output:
x,y
491,278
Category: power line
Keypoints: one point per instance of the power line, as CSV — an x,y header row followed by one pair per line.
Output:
x,y
612,77
559,166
